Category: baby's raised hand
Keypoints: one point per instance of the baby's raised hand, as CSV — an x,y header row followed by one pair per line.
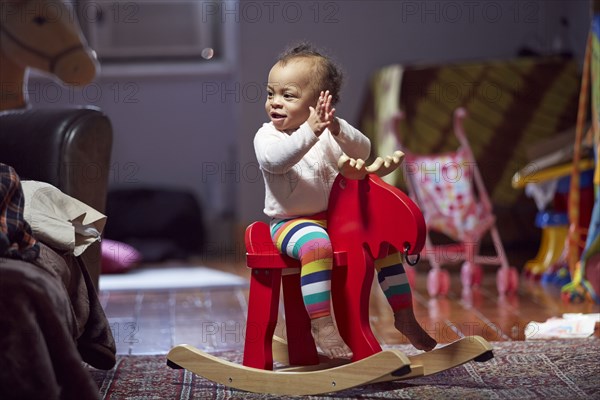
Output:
x,y
322,115
329,114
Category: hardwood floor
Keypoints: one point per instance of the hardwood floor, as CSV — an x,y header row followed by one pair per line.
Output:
x,y
213,320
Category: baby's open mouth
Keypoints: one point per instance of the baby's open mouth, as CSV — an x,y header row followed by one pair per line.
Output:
x,y
277,116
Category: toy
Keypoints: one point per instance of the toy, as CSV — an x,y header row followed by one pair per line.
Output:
x,y
546,182
365,217
580,288
450,191
40,34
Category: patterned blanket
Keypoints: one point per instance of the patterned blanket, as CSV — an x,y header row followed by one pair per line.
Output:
x,y
512,106
50,314
16,239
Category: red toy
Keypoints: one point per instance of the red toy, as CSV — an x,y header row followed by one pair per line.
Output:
x,y
366,217
359,234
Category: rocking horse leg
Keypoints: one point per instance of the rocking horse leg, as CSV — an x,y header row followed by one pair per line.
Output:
x,y
302,349
350,295
263,305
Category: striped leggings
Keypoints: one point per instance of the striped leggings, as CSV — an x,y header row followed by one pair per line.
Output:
x,y
306,239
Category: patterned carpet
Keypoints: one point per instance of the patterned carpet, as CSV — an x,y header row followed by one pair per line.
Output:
x,y
554,369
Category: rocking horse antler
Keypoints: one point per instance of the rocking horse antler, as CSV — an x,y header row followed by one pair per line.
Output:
x,y
40,34
355,168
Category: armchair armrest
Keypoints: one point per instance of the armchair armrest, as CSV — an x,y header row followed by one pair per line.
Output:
x,y
67,147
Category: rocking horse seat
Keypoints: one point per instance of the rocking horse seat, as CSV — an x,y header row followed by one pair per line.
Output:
x,y
270,268
262,254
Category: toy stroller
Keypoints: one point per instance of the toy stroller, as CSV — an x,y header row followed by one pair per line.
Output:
x,y
450,191
365,217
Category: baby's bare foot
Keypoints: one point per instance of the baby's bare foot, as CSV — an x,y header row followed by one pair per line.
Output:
x,y
407,324
328,338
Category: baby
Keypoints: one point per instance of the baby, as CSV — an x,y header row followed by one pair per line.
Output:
x,y
298,153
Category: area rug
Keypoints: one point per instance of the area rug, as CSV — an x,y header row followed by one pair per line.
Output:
x,y
173,277
553,369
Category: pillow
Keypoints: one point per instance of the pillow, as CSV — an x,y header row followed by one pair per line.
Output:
x,y
118,257
59,220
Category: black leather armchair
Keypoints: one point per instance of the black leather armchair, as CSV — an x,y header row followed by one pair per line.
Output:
x,y
49,308
67,147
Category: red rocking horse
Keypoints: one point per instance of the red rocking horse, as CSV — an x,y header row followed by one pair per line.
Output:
x,y
366,217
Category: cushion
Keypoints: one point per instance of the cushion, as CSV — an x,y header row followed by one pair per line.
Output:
x,y
59,220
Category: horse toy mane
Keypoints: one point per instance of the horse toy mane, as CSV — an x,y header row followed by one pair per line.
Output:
x,y
45,35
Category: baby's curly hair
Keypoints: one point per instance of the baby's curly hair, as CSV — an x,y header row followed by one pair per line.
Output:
x,y
329,74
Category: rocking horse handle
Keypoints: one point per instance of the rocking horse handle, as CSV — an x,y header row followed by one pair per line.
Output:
x,y
352,168
407,259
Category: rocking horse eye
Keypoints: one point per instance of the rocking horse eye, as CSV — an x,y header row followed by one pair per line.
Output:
x,y
39,20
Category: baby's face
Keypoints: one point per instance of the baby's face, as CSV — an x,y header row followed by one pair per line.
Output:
x,y
289,95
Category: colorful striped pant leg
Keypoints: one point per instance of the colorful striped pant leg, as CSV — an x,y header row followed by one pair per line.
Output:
x,y
307,240
394,281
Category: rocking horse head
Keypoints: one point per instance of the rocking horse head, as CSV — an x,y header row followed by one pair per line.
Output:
x,y
45,35
365,211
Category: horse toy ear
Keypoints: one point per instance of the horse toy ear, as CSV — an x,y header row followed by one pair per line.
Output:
x,y
44,35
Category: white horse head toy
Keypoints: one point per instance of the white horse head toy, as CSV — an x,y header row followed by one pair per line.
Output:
x,y
45,35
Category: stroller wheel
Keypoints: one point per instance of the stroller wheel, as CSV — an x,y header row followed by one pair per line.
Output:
x,y
433,285
514,279
438,282
507,280
445,282
502,280
470,274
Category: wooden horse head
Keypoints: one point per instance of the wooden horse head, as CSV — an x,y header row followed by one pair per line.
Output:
x,y
369,212
45,35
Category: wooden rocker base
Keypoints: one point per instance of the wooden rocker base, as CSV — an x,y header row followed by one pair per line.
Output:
x,y
331,375
469,348
284,382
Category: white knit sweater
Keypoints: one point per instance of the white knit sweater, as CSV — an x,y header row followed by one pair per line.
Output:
x,y
299,168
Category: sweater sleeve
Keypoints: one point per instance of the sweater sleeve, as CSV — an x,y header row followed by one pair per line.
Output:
x,y
352,141
278,152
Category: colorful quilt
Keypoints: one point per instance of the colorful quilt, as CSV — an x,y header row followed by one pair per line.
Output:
x,y
512,105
